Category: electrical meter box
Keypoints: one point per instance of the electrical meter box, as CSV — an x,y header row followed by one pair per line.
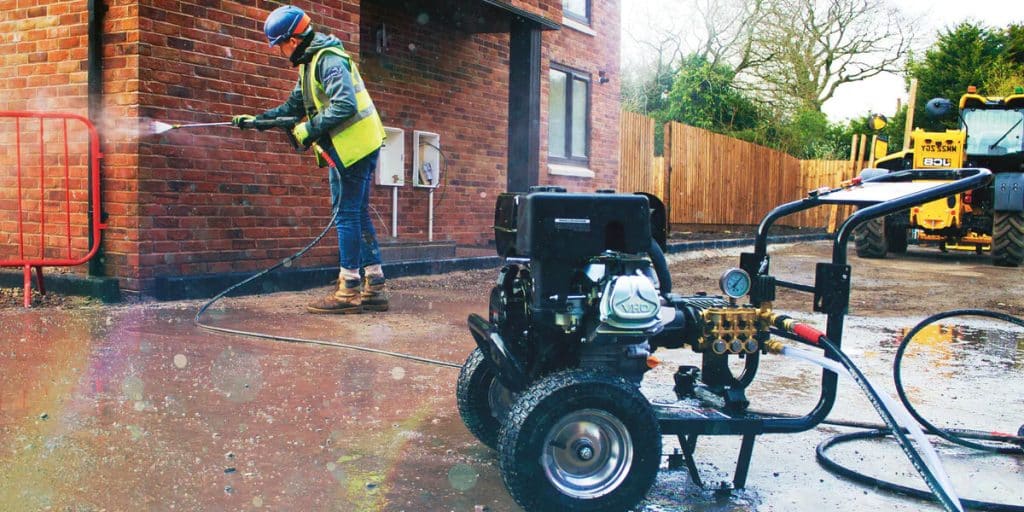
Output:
x,y
426,168
391,164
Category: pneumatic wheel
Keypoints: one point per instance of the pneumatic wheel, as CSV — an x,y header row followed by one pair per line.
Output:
x,y
473,392
580,440
895,238
1008,239
869,239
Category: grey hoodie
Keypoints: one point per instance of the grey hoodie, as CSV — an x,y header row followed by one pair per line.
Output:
x,y
334,73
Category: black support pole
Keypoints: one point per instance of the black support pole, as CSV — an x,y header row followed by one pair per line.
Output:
x,y
524,105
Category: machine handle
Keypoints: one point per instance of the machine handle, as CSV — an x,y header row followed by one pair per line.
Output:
x,y
284,123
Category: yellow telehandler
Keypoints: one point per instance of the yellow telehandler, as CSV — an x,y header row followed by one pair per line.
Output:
x,y
990,136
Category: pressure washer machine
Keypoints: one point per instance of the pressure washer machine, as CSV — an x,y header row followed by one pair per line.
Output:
x,y
583,302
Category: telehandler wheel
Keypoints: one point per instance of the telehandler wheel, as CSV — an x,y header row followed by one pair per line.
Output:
x,y
473,394
869,239
1008,239
580,440
895,239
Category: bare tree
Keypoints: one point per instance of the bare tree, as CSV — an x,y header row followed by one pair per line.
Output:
x,y
805,49
728,32
795,53
667,31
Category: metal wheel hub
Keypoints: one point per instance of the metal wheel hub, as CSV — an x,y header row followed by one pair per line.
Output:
x,y
587,454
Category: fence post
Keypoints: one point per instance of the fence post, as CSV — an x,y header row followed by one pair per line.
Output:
x,y
667,168
833,212
911,103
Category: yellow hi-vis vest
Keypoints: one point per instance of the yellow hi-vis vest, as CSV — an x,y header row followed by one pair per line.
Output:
x,y
357,136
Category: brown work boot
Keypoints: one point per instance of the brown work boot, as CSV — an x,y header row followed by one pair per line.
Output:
x,y
374,296
346,300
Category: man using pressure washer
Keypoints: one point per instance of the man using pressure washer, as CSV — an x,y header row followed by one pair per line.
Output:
x,y
341,119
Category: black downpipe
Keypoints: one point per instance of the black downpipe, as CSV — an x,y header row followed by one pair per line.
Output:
x,y
97,10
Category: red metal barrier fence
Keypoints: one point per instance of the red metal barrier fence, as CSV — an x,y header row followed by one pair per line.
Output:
x,y
48,174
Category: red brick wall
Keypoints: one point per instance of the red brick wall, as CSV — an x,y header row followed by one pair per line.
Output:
x,y
43,67
591,54
455,84
550,9
220,200
216,200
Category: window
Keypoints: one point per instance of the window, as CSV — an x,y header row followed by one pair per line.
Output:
x,y
994,132
568,116
577,10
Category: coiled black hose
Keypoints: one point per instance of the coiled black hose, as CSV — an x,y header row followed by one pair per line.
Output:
x,y
952,435
948,502
956,436
856,476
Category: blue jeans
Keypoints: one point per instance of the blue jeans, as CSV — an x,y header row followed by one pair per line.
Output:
x,y
350,192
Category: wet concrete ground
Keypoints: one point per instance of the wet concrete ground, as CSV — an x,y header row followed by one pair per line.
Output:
x,y
132,407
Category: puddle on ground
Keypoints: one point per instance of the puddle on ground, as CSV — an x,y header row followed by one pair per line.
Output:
x,y
113,408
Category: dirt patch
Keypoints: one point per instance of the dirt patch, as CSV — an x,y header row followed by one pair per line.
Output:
x,y
15,297
923,281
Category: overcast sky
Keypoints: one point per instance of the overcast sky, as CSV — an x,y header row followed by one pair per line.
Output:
x,y
878,94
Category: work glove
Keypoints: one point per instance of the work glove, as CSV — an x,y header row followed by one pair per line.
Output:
x,y
301,133
243,121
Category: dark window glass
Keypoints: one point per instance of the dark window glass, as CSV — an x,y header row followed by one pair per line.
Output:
x,y
568,116
578,10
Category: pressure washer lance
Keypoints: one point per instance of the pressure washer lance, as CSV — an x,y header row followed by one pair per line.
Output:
x,y
895,417
284,123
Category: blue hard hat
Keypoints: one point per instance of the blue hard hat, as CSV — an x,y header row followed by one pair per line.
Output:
x,y
285,22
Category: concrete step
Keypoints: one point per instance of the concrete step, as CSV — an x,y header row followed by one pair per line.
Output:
x,y
392,250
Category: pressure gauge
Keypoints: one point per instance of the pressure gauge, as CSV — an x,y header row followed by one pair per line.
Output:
x,y
735,283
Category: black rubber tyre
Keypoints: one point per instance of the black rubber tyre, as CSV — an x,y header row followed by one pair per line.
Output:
x,y
895,239
869,239
580,440
1008,239
472,392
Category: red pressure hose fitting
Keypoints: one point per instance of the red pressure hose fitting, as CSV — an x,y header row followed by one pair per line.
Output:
x,y
805,332
323,154
808,333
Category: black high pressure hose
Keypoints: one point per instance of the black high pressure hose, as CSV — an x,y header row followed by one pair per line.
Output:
x,y
952,435
948,502
957,436
287,262
660,267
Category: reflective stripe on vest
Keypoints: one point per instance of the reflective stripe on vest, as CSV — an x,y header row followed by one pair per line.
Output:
x,y
357,136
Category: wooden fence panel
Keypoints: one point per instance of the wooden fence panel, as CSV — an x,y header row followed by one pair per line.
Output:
x,y
715,179
708,178
815,174
658,176
637,171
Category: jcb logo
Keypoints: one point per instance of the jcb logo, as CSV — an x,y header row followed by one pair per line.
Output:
x,y
937,162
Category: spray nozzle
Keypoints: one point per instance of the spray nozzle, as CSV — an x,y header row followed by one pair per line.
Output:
x,y
157,127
